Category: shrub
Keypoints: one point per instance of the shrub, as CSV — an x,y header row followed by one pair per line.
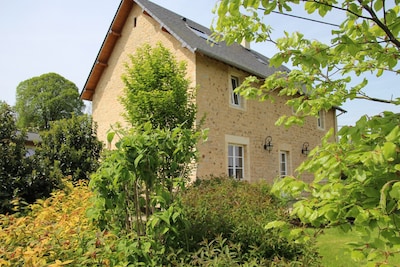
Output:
x,y
239,211
55,230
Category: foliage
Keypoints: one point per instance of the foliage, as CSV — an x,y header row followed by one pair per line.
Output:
x,y
57,232
359,182
143,173
136,187
46,98
356,180
13,165
366,41
156,89
72,145
232,214
54,233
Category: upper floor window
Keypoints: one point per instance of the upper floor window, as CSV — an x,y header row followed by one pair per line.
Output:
x,y
236,161
236,99
321,119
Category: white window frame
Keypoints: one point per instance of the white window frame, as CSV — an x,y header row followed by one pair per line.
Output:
x,y
284,163
321,120
236,168
235,100
242,142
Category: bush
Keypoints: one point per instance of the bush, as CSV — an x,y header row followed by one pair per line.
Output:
x,y
54,230
238,212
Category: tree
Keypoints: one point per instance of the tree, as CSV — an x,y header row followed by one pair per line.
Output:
x,y
46,98
72,145
137,183
357,181
156,89
12,157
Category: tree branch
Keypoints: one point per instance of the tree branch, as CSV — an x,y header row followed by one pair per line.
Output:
x,y
365,97
338,8
381,25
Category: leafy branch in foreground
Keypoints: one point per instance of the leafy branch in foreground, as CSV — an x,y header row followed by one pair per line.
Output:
x,y
322,75
356,185
357,179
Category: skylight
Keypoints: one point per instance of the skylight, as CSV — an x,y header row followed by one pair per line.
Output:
x,y
202,34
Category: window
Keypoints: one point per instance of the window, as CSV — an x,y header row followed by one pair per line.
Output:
x,y
321,119
236,161
236,99
283,163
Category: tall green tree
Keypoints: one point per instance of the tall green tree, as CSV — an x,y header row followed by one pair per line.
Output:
x,y
357,180
137,183
46,98
156,89
12,157
72,145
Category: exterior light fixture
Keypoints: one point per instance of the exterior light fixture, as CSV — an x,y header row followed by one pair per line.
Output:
x,y
304,149
268,144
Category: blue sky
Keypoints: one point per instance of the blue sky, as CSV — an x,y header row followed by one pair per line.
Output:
x,y
44,36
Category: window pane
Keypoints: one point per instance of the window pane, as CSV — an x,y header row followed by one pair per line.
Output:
x,y
230,162
235,99
239,151
239,174
320,120
283,163
234,81
239,162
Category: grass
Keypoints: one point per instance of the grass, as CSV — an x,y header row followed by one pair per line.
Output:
x,y
332,244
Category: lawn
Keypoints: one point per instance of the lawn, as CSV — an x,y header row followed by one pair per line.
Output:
x,y
331,243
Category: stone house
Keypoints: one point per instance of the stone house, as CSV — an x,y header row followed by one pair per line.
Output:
x,y
243,140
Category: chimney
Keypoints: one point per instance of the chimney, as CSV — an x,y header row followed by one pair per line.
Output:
x,y
245,44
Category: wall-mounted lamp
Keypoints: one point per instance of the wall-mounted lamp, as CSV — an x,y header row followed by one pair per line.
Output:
x,y
304,149
268,144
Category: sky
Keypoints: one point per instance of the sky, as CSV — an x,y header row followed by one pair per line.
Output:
x,y
64,37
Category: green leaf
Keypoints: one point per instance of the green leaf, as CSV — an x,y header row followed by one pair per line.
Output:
x,y
394,135
110,137
397,167
378,5
389,151
275,224
138,159
395,191
357,255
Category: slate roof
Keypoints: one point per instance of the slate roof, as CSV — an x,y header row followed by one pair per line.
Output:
x,y
192,35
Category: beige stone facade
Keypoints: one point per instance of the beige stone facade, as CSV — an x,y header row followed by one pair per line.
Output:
x,y
245,126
